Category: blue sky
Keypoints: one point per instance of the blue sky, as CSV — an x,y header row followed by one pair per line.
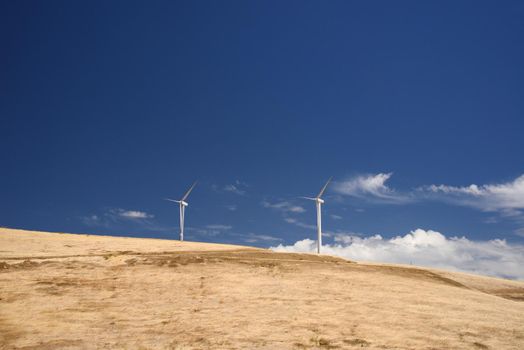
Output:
x,y
108,107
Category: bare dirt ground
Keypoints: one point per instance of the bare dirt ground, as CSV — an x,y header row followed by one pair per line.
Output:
x,y
64,291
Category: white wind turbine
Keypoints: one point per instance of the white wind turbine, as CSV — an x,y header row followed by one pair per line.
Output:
x,y
319,201
183,204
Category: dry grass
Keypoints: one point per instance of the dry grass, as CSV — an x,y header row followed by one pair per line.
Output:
x,y
61,291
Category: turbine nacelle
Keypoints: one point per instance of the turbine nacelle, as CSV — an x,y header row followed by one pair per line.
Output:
x,y
316,199
185,204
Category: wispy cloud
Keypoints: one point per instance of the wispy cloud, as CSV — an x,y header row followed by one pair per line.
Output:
x,y
519,232
113,216
284,207
299,223
234,189
371,187
507,198
92,220
427,248
287,211
219,227
211,230
133,214
336,217
238,187
259,238
231,207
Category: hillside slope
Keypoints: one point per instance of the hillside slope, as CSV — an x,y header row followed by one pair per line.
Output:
x,y
64,291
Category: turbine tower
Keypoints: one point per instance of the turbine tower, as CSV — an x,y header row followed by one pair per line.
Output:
x,y
319,201
183,204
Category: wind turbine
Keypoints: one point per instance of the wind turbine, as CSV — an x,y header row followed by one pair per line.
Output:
x,y
319,201
183,204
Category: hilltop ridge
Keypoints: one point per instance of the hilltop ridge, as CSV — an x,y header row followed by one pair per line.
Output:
x,y
63,291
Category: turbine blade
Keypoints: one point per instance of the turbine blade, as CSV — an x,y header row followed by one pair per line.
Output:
x,y
311,199
324,188
171,200
189,191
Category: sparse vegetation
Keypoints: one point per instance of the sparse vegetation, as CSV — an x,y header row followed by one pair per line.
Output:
x,y
357,342
165,295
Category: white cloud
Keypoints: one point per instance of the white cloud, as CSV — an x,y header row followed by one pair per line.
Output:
x,y
370,187
231,207
336,217
234,189
491,220
116,216
254,238
344,237
92,220
285,207
427,248
288,209
506,198
238,187
133,214
219,227
210,230
520,232
299,223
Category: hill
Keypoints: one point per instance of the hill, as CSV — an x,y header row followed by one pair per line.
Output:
x,y
67,291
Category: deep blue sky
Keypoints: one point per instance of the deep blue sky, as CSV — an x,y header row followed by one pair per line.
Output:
x,y
108,107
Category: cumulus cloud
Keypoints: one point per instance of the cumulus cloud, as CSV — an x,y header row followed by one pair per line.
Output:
x,y
426,248
507,198
370,187
285,207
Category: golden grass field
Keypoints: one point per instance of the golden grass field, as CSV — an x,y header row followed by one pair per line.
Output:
x,y
69,291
